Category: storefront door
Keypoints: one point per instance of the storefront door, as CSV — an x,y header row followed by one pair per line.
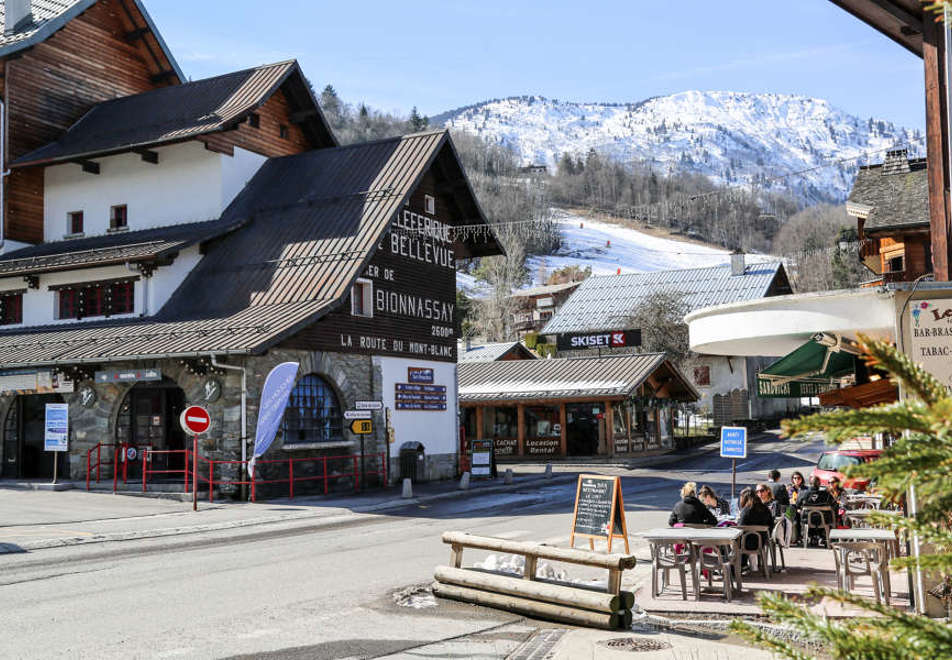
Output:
x,y
148,418
581,429
23,434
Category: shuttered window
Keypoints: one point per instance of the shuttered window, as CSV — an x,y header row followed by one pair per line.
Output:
x,y
96,299
11,308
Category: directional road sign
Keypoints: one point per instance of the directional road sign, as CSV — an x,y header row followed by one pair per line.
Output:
x,y
358,414
362,426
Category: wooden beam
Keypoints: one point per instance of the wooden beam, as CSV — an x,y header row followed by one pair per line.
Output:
x,y
302,116
521,424
89,166
911,24
148,156
161,76
937,143
133,36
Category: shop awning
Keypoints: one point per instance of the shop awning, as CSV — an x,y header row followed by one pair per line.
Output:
x,y
807,371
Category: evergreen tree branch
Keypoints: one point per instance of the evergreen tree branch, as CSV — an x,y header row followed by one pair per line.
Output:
x,y
912,376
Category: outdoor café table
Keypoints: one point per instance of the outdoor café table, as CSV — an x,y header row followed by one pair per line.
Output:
x,y
862,515
721,537
885,536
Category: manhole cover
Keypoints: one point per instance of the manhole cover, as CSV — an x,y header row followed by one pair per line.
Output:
x,y
635,644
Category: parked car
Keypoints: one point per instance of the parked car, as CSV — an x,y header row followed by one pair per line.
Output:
x,y
832,464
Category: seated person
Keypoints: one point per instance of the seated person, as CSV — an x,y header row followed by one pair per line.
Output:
x,y
817,496
689,510
765,493
797,487
753,512
718,505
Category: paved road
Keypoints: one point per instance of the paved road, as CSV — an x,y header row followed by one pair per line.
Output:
x,y
294,593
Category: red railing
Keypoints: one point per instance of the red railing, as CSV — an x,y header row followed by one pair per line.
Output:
x,y
256,479
147,456
206,467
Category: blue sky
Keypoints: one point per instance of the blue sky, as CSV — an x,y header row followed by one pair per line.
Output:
x,y
439,55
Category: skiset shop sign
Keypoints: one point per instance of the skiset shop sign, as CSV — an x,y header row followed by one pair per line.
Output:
x,y
610,339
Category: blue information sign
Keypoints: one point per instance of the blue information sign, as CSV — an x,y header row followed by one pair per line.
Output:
x,y
733,442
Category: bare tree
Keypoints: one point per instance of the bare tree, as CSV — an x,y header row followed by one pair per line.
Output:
x,y
660,316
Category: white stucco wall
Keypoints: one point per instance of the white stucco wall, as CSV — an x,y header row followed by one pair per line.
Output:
x,y
436,429
189,184
39,305
726,374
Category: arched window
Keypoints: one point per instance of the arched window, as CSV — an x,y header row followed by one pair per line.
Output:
x,y
313,414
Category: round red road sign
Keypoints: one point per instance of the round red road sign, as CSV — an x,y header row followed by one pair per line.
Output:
x,y
195,420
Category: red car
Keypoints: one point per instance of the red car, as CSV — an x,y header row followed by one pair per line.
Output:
x,y
832,464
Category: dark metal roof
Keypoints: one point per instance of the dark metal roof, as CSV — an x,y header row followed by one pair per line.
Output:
x,y
492,351
896,199
313,221
607,302
50,16
566,378
145,245
180,112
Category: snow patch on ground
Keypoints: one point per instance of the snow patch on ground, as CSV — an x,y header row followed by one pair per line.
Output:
x,y
516,565
417,597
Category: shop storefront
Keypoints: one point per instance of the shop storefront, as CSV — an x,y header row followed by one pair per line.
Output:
x,y
615,405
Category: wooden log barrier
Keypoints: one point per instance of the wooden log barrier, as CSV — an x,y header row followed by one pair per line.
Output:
x,y
549,599
550,593
562,613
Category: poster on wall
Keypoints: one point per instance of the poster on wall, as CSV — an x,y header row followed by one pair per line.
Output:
x,y
56,429
931,322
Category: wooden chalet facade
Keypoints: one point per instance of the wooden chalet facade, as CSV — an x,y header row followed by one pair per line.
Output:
x,y
170,242
890,202
65,57
583,406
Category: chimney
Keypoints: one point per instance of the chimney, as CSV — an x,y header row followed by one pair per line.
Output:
x,y
897,161
738,264
17,15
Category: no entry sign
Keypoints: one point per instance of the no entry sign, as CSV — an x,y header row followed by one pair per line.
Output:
x,y
195,420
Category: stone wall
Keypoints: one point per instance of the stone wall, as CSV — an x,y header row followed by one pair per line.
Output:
x,y
353,377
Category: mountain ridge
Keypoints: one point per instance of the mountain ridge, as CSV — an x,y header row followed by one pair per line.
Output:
x,y
733,138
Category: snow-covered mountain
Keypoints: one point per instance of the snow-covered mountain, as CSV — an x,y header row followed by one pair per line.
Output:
x,y
733,138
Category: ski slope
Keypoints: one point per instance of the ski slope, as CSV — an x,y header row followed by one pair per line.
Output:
x,y
608,247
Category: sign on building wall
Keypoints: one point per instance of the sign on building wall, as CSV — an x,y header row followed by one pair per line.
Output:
x,y
574,341
27,381
414,396
128,376
931,322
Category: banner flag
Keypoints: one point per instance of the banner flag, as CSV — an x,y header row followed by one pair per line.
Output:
x,y
274,399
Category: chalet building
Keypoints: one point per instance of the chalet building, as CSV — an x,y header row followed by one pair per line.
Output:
x,y
583,406
727,385
536,305
58,58
890,202
184,238
468,351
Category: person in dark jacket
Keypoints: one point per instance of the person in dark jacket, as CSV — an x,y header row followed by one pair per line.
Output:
x,y
797,487
718,505
778,489
690,510
817,496
765,493
753,512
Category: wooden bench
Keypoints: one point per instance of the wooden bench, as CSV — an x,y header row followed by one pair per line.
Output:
x,y
578,604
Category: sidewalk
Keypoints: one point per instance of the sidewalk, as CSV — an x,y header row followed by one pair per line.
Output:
x,y
37,519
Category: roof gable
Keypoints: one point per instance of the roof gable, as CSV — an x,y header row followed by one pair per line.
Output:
x,y
49,16
181,112
606,302
493,351
891,200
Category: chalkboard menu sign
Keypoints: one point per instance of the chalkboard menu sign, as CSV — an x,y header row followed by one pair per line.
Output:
x,y
599,510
